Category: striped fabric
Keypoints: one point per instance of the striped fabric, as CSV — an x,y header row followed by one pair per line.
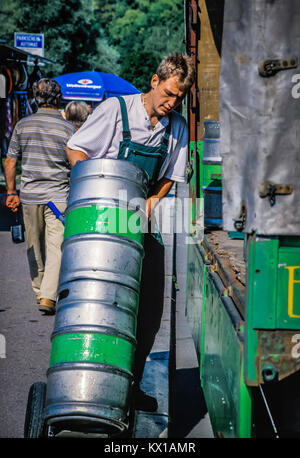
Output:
x,y
39,140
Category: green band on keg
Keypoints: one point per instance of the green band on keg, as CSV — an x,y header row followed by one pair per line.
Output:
x,y
92,348
104,220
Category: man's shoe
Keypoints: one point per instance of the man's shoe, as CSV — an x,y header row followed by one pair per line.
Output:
x,y
143,401
47,306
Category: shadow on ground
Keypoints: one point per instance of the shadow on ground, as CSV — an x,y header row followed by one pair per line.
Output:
x,y
189,405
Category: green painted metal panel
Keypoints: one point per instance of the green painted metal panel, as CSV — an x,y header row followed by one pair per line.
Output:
x,y
287,241
203,326
236,235
288,297
228,400
199,148
93,348
200,203
196,182
219,350
251,339
192,184
245,407
98,219
194,290
263,279
273,307
212,175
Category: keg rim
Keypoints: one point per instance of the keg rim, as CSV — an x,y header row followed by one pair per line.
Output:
x,y
88,366
115,238
114,278
213,160
116,426
125,164
65,303
211,140
105,202
64,285
93,329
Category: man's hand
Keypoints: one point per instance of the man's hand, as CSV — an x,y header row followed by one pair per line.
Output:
x,y
75,155
10,167
13,202
161,189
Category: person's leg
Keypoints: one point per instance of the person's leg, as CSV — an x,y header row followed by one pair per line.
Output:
x,y
150,312
35,237
54,237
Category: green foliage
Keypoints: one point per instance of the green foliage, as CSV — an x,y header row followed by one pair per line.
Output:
x,y
143,32
9,14
125,37
138,68
73,38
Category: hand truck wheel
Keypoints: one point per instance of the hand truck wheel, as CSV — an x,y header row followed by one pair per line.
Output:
x,y
34,421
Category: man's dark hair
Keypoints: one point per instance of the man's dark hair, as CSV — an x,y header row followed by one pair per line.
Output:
x,y
180,65
47,92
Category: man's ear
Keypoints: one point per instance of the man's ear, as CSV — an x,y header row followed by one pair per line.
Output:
x,y
154,81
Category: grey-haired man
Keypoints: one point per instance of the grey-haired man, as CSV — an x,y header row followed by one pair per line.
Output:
x,y
39,141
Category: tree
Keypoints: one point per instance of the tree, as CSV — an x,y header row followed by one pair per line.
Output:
x,y
138,69
143,32
124,37
9,15
73,39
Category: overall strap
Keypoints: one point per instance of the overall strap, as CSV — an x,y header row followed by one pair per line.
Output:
x,y
165,139
126,130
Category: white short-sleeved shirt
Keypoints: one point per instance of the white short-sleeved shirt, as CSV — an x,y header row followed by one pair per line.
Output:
x,y
101,134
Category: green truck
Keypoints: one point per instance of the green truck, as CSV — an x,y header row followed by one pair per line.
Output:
x,y
243,268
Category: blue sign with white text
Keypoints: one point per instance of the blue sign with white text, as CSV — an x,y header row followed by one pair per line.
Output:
x,y
23,40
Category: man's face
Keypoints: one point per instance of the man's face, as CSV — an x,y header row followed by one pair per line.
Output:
x,y
165,95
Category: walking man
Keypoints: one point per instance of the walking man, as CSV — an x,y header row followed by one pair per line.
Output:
x,y
144,129
40,141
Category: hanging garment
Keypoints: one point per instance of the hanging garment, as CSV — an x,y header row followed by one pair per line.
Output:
x,y
8,121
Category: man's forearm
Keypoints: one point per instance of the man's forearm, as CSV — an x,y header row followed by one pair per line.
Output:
x,y
161,189
10,168
75,155
12,199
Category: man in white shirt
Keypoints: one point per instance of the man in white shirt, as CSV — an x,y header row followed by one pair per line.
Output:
x,y
152,124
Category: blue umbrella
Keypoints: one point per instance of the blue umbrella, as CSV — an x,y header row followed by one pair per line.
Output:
x,y
93,86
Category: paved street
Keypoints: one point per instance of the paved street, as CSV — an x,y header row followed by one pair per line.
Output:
x,y
27,337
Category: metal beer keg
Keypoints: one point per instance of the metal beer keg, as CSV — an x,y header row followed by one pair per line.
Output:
x,y
211,151
211,145
93,341
212,129
212,172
